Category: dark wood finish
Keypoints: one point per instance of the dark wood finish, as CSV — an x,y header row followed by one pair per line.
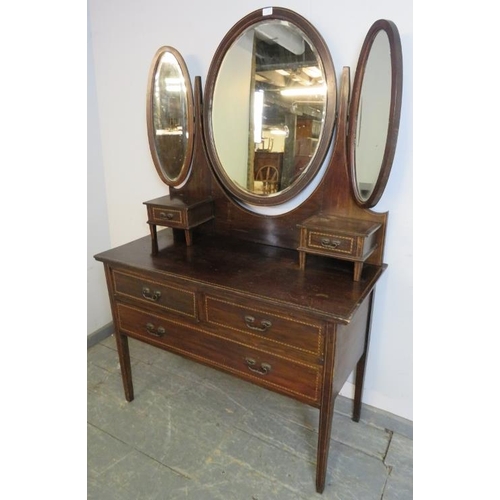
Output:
x,y
246,309
239,300
338,237
394,113
121,344
180,212
324,141
326,410
360,368
159,159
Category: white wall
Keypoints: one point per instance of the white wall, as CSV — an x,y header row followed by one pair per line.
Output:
x,y
98,308
125,37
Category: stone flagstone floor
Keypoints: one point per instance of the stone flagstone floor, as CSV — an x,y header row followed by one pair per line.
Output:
x,y
198,434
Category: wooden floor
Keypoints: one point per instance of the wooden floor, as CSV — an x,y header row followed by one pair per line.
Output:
x,y
196,433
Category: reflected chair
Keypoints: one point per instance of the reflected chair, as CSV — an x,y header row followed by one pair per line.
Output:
x,y
268,175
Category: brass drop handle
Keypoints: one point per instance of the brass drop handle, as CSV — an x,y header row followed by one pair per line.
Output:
x,y
264,368
328,243
265,324
165,215
157,332
146,293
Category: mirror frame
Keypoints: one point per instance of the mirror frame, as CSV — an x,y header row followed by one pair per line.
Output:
x,y
234,192
394,112
185,168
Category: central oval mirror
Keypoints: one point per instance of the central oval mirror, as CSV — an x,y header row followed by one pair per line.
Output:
x,y
270,107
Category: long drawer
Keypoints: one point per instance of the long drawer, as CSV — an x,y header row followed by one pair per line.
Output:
x,y
169,298
268,369
266,327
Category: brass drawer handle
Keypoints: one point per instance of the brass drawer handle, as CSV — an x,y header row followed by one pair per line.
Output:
x,y
146,293
264,369
157,332
265,324
168,215
328,243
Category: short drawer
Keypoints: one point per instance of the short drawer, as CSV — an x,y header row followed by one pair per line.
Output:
x,y
146,290
332,243
166,216
299,380
264,326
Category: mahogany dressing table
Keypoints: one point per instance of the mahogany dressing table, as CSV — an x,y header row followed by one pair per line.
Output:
x,y
229,290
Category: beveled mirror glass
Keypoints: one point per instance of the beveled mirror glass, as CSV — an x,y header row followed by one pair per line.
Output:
x,y
270,106
170,116
374,112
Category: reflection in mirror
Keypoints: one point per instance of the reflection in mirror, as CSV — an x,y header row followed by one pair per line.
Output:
x,y
269,106
374,106
170,116
375,112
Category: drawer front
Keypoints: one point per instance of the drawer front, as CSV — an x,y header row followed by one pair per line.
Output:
x,y
166,216
165,297
263,326
294,378
332,243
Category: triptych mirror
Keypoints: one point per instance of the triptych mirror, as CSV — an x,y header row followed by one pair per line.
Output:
x,y
170,117
270,108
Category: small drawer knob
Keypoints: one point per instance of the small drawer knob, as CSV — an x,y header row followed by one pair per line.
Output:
x,y
147,294
265,324
167,215
157,332
264,368
329,243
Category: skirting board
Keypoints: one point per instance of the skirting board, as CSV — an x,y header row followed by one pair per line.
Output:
x,y
99,335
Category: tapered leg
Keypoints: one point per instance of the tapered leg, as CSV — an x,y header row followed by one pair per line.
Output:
x,y
154,239
325,413
121,341
302,260
358,268
358,388
325,431
361,366
126,369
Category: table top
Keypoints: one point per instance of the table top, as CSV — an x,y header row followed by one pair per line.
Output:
x,y
324,287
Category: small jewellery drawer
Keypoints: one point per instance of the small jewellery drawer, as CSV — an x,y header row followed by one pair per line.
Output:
x,y
295,378
263,326
166,215
330,242
166,297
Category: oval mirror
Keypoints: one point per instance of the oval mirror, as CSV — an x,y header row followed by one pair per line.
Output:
x,y
170,118
374,112
270,106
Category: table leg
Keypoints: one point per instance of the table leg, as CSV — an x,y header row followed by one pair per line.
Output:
x,y
154,239
302,260
361,366
189,238
126,369
325,414
358,267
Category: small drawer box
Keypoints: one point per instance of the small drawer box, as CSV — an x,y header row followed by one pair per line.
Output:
x,y
339,237
178,212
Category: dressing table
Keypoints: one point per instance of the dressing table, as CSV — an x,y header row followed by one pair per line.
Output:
x,y
225,283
